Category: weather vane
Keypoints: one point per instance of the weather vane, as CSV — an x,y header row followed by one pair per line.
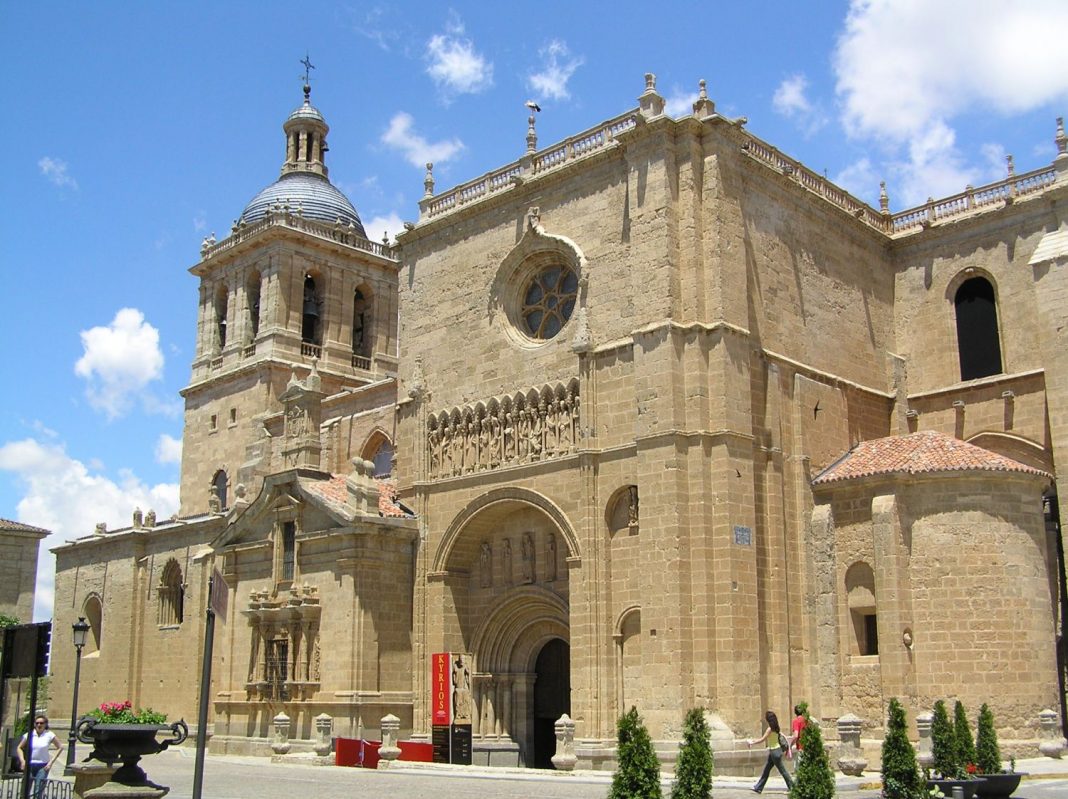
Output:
x,y
308,66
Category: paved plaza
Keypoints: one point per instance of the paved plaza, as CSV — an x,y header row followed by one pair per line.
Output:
x,y
228,777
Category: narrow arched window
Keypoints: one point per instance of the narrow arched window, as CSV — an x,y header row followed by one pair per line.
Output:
x,y
219,484
977,329
860,597
171,595
383,459
309,325
94,614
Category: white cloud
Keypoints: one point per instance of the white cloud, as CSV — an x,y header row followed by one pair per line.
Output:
x,y
791,101
65,496
417,150
679,103
858,179
380,225
55,170
200,222
906,68
454,64
557,68
119,362
168,449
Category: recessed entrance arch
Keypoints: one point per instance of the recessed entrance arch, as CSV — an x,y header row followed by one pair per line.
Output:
x,y
503,565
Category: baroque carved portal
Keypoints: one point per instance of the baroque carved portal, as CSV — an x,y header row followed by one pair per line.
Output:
x,y
525,428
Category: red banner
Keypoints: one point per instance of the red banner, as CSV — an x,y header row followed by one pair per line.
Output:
x,y
440,689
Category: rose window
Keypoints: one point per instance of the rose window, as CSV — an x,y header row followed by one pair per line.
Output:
x,y
548,301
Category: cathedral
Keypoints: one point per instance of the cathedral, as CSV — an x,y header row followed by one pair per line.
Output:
x,y
652,416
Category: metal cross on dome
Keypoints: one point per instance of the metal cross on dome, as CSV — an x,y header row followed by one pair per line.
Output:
x,y
308,66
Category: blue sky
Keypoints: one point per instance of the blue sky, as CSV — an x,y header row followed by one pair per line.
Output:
x,y
134,130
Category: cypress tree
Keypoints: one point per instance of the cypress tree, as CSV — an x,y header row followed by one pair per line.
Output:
x,y
638,771
965,743
693,773
814,778
901,777
944,744
987,754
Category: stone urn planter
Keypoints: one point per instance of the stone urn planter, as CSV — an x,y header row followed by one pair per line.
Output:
x,y
1000,786
970,787
127,743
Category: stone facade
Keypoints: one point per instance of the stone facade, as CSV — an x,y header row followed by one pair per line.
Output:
x,y
627,373
19,545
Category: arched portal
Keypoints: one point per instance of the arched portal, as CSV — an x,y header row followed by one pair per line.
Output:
x,y
503,567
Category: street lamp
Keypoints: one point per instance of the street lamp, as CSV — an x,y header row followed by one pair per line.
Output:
x,y
80,630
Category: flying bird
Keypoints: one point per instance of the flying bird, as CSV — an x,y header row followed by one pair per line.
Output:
x,y
532,105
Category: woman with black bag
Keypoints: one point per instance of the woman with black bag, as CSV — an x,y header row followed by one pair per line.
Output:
x,y
777,748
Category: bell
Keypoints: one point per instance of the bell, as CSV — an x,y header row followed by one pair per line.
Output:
x,y
311,307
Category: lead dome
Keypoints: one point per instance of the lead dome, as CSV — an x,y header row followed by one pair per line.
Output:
x,y
304,186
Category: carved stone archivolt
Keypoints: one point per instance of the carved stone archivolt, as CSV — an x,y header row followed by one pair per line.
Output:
x,y
523,428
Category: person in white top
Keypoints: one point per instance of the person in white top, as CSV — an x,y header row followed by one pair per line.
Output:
x,y
39,741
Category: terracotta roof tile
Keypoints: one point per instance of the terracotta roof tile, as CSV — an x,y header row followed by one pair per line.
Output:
x,y
387,500
336,492
918,453
7,524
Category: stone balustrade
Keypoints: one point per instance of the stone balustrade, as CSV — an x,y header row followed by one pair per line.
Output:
x,y
284,217
558,155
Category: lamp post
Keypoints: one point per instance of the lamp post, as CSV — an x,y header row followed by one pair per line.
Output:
x,y
80,632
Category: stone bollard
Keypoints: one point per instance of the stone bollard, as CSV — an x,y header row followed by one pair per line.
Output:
x,y
1052,744
324,726
924,753
389,751
280,745
851,759
564,759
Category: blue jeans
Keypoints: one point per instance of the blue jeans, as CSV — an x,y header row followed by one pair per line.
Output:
x,y
39,774
774,759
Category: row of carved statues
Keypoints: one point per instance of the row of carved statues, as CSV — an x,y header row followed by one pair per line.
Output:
x,y
528,558
522,429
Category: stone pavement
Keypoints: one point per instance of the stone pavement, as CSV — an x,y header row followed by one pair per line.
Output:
x,y
228,777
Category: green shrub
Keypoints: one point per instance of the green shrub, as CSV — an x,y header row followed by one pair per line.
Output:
x,y
965,742
944,744
814,778
693,772
638,771
901,777
987,754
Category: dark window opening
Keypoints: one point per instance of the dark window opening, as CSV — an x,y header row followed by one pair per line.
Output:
x,y
870,644
309,326
289,546
977,329
219,482
277,667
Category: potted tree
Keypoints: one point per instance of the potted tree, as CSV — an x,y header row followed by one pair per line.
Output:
x,y
119,733
951,771
638,772
693,772
999,783
901,777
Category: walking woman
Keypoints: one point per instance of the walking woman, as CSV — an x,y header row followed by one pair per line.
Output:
x,y
774,739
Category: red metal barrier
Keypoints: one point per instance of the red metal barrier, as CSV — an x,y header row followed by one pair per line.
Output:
x,y
364,754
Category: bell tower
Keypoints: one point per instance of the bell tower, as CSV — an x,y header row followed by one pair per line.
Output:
x,y
295,288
